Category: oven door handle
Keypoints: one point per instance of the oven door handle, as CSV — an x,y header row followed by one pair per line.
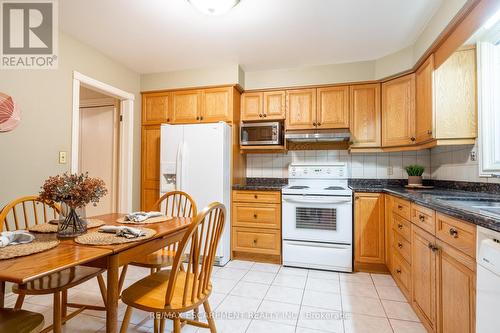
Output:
x,y
315,244
317,200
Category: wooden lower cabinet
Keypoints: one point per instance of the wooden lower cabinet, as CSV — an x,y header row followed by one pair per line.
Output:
x,y
456,276
388,220
424,276
150,171
256,226
369,232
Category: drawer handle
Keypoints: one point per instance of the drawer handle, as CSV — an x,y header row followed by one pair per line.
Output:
x,y
400,226
398,271
421,218
254,216
400,245
255,241
454,232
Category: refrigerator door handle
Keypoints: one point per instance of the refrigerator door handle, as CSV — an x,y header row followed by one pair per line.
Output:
x,y
178,168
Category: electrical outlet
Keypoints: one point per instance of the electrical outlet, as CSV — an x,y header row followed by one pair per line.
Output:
x,y
62,157
473,156
390,170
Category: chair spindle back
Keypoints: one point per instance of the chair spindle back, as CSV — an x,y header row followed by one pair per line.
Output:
x,y
27,211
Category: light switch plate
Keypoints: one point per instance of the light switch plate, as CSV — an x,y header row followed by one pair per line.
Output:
x,y
62,157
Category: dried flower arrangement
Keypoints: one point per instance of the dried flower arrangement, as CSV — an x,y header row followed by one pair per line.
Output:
x,y
73,191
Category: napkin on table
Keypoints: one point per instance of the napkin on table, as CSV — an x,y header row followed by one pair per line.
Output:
x,y
122,231
142,216
15,237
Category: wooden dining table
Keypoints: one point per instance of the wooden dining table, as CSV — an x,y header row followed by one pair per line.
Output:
x,y
110,257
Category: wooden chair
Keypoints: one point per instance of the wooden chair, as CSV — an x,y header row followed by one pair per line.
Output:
x,y
175,291
175,204
20,321
20,214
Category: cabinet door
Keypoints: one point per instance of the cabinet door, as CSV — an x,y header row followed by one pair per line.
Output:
x,y
457,291
333,107
186,106
365,115
369,229
150,166
217,104
156,108
300,109
251,106
423,268
423,101
398,111
274,105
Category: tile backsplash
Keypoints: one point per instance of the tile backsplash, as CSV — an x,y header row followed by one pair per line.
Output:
x,y
377,165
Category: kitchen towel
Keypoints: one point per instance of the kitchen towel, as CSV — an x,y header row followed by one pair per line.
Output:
x,y
122,231
142,216
15,237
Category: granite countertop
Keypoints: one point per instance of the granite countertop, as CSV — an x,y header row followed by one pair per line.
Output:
x,y
433,198
262,184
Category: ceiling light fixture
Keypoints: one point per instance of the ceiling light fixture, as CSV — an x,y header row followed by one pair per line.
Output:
x,y
214,7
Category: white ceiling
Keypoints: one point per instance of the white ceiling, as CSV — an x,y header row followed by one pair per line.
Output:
x,y
163,35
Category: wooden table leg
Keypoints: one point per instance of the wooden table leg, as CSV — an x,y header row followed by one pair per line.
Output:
x,y
112,297
2,294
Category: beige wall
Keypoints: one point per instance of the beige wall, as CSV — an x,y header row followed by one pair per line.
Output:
x,y
29,154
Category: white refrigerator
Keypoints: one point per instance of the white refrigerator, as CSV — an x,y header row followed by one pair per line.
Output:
x,y
196,159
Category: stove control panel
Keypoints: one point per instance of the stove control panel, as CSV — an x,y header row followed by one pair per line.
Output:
x,y
323,171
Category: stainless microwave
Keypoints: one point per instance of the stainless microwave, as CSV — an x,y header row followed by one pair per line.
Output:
x,y
260,134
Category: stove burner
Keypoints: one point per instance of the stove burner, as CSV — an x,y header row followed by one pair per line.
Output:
x,y
334,188
297,187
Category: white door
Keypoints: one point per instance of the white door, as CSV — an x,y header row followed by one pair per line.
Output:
x,y
98,151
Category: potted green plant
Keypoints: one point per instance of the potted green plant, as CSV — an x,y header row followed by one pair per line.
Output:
x,y
415,174
73,192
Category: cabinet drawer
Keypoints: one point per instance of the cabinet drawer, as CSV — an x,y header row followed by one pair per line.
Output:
x,y
261,241
424,218
402,246
402,208
401,271
458,234
261,216
402,226
257,196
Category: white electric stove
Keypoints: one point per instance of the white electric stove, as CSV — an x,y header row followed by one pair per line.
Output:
x,y
317,217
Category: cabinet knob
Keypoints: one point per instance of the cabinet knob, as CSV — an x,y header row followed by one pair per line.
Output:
x,y
400,245
454,232
168,119
429,132
400,207
254,216
413,139
260,115
400,226
197,118
201,118
398,271
314,124
265,115
255,241
421,217
319,124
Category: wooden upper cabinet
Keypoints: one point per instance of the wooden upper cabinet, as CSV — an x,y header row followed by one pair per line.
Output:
x,y
423,265
333,107
217,104
365,115
424,101
274,105
398,111
252,106
186,106
457,292
369,231
300,109
455,96
156,108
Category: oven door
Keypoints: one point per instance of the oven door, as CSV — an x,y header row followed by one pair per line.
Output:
x,y
317,218
252,134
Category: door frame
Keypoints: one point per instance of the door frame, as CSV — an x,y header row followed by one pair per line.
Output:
x,y
126,139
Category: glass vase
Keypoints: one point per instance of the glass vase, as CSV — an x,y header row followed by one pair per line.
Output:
x,y
72,221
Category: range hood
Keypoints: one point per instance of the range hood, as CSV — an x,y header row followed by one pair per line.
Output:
x,y
336,135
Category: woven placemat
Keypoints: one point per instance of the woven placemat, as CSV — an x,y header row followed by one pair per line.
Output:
x,y
51,228
105,238
152,220
39,244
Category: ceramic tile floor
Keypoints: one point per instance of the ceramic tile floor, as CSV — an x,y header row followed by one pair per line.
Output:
x,y
255,297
